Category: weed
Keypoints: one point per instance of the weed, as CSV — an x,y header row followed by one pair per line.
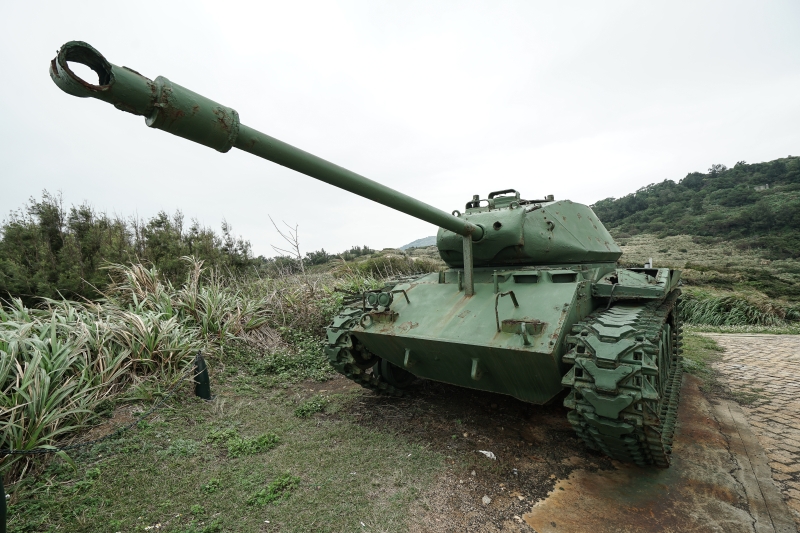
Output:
x,y
214,527
311,406
182,448
746,396
212,486
217,436
699,353
789,329
238,446
700,307
276,490
303,361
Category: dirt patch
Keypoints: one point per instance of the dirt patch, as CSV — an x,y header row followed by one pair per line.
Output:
x,y
543,477
534,446
338,384
122,416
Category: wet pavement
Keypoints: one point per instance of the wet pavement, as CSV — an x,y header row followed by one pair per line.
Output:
x,y
762,369
719,481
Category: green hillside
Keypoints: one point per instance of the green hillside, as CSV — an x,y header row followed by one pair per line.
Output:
x,y
755,206
734,233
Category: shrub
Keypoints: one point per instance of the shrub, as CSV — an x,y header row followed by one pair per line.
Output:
x,y
47,250
58,364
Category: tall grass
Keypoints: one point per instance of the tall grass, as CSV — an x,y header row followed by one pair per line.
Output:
x,y
389,266
700,307
60,361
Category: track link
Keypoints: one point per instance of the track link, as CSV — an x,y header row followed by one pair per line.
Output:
x,y
625,380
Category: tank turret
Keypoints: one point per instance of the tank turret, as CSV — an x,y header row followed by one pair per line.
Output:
x,y
529,232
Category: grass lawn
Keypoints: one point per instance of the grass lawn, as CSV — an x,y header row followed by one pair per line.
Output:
x,y
286,455
253,459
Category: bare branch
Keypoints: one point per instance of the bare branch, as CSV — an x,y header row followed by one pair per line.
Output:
x,y
291,237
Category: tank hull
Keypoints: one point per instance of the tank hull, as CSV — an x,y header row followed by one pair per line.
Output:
x,y
485,341
610,336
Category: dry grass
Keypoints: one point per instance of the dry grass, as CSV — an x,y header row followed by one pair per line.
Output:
x,y
678,250
721,270
701,307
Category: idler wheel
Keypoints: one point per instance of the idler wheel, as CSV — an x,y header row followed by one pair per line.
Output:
x,y
362,358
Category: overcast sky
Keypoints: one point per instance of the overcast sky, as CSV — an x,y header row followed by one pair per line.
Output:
x,y
440,100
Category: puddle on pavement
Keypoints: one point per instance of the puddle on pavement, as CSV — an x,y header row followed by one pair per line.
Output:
x,y
697,493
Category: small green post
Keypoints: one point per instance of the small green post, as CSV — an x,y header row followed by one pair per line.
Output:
x,y
202,384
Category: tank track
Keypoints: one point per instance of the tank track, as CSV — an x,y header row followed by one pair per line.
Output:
x,y
626,378
351,359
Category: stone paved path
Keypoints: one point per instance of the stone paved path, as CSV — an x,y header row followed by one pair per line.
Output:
x,y
767,366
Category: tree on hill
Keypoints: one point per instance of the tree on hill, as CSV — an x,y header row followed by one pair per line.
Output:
x,y
758,202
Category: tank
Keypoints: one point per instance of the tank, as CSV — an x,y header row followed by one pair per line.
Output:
x,y
532,303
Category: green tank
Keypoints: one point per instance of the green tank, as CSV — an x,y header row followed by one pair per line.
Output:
x,y
532,303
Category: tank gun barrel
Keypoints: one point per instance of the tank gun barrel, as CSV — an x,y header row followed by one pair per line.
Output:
x,y
177,110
